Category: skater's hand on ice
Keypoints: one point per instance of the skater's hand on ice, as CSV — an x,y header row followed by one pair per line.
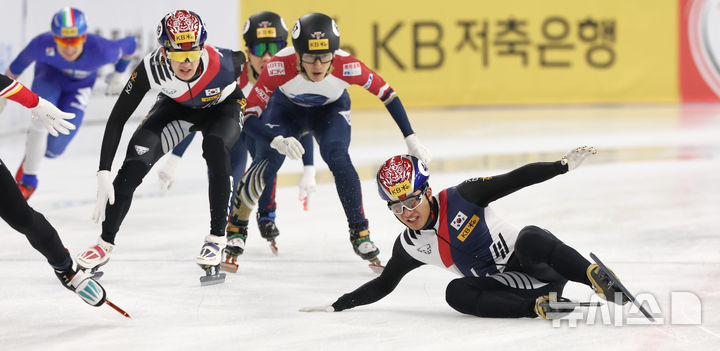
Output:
x,y
307,186
417,150
289,147
327,308
52,118
167,172
116,82
105,194
575,157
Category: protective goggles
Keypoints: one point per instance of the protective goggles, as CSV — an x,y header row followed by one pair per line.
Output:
x,y
272,48
184,56
73,41
311,58
411,202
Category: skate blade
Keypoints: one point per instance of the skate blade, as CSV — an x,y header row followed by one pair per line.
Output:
x,y
229,267
97,274
274,248
212,279
376,266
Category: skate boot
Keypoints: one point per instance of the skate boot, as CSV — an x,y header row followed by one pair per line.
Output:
x,y
551,306
209,260
27,184
268,229
20,172
95,256
82,283
236,237
604,286
366,249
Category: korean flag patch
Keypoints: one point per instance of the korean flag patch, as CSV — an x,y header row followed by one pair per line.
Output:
x,y
460,218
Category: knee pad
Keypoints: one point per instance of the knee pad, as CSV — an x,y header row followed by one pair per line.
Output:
x,y
216,154
336,157
533,237
129,178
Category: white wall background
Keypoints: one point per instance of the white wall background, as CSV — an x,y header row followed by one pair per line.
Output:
x,y
111,19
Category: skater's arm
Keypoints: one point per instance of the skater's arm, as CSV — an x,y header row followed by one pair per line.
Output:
x,y
127,45
483,190
239,59
27,56
399,264
127,102
307,143
13,90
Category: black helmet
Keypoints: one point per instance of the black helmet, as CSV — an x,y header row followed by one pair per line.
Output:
x,y
264,27
315,33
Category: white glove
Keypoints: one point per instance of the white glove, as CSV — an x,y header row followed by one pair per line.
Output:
x,y
115,83
417,150
307,186
105,194
289,147
328,308
53,119
575,157
3,102
167,172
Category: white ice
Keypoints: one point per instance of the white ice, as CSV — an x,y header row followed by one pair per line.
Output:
x,y
648,205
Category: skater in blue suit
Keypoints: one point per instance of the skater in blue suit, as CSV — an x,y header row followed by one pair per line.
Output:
x,y
67,60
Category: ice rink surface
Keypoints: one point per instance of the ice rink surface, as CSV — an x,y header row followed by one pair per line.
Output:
x,y
648,205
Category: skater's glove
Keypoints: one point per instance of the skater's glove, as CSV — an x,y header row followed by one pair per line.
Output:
x,y
289,147
307,186
575,157
328,308
115,83
417,150
167,172
52,118
105,194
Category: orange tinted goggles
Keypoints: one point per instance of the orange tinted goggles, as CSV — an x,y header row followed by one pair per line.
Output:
x,y
184,56
74,41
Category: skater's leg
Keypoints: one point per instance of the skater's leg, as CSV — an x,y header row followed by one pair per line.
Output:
x,y
487,297
20,216
545,257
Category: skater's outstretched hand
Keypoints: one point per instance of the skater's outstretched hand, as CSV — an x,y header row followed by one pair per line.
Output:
x,y
289,147
105,194
116,82
52,118
575,157
327,308
166,174
418,150
307,186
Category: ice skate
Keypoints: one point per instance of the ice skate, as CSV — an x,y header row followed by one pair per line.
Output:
x,y
83,284
553,307
236,237
604,285
209,260
20,172
96,256
366,249
607,284
26,189
27,183
268,229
